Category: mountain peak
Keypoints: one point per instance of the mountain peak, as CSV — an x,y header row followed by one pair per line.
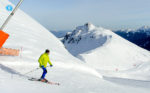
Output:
x,y
89,26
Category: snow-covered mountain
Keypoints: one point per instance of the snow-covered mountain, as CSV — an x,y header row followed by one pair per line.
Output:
x,y
73,75
84,38
140,37
103,49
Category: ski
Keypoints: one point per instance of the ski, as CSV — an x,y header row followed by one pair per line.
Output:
x,y
46,81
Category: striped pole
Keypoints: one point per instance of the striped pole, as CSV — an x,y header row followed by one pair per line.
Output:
x,y
12,13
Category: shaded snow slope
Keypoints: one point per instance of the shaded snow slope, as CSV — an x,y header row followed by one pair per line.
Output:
x,y
103,49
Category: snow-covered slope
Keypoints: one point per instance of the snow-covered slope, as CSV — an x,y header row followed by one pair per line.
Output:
x,y
103,49
73,75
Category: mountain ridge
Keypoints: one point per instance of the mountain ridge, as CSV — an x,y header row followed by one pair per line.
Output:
x,y
98,45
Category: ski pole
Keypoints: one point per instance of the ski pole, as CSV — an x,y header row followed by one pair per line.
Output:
x,y
32,71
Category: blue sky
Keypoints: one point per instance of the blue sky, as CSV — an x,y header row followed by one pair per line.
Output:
x,y
67,14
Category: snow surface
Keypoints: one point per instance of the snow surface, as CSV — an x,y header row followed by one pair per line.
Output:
x,y
74,75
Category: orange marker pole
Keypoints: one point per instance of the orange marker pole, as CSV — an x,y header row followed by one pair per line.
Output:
x,y
3,37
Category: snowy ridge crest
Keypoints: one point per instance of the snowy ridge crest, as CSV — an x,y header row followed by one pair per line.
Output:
x,y
85,38
88,30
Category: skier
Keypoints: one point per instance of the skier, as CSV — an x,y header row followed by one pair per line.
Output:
x,y
44,58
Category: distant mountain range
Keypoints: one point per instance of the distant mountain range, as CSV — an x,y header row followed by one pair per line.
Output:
x,y
140,37
60,34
